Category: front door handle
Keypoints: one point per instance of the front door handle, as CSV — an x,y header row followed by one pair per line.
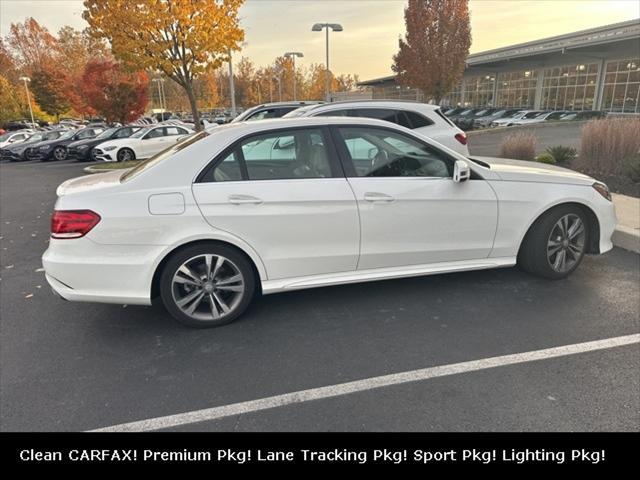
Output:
x,y
378,197
243,199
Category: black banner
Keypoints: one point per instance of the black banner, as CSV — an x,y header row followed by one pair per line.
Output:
x,y
519,451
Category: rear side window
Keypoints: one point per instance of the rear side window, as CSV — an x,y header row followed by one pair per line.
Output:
x,y
286,154
416,120
270,113
335,113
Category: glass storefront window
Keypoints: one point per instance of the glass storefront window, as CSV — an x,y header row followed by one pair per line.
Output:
x,y
621,86
517,89
570,87
478,91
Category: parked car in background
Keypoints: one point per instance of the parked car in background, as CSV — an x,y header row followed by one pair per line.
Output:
x,y
18,136
484,121
219,218
468,122
583,115
144,143
270,110
507,122
542,117
422,118
19,152
57,149
83,149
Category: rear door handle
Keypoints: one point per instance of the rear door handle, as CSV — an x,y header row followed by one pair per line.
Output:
x,y
378,197
242,199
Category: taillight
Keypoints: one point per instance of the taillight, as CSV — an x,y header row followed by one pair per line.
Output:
x,y
72,223
461,137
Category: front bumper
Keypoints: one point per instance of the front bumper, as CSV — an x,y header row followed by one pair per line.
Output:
x,y
74,153
104,156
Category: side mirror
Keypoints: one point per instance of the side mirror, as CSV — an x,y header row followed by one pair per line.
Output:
x,y
461,171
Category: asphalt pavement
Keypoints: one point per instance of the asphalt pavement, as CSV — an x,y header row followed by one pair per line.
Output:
x,y
73,366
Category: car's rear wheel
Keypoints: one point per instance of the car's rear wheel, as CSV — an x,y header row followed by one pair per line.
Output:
x,y
555,245
60,153
125,155
207,285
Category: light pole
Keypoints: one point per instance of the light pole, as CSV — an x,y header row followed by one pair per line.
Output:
x,y
278,77
158,81
293,56
318,27
25,80
232,87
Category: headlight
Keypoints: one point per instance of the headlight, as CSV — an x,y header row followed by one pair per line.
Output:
x,y
108,149
44,148
603,190
83,147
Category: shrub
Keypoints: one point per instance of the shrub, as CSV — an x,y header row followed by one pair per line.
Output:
x,y
607,144
546,158
521,146
631,168
562,155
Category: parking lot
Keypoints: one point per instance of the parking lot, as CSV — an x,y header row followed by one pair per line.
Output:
x,y
72,366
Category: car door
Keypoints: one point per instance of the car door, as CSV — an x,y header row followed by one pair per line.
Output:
x,y
284,193
411,210
153,142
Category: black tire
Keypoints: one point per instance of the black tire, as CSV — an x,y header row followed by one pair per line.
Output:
x,y
123,152
533,257
178,259
59,153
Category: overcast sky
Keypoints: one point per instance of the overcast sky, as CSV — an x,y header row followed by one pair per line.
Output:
x,y
371,27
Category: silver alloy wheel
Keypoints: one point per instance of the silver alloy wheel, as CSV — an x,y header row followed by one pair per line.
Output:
x,y
207,287
125,155
566,243
59,153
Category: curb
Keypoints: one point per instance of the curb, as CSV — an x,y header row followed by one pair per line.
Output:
x,y
627,238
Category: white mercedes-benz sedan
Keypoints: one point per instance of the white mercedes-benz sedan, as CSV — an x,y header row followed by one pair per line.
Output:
x,y
277,205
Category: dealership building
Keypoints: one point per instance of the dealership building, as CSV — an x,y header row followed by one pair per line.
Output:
x,y
595,69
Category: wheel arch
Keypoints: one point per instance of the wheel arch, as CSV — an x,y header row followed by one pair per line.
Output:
x,y
155,281
593,225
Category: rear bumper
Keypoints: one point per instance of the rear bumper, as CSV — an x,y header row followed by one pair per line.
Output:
x,y
84,271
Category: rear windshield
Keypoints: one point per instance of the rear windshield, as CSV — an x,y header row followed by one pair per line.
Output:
x,y
163,155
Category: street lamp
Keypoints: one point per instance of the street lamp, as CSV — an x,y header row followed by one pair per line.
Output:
x,y
318,27
159,81
293,56
279,79
25,80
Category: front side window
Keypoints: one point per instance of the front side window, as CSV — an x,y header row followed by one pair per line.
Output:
x,y
155,133
377,152
283,155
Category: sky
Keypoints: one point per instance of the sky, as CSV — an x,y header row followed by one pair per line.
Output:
x,y
371,27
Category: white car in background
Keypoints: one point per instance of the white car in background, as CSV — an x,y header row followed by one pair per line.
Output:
x,y
523,115
11,138
422,118
542,117
281,205
145,143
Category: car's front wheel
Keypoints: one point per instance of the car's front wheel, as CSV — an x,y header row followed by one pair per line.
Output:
x,y
59,153
126,155
556,243
207,285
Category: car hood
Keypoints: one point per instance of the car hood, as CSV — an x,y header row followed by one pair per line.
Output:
x,y
86,141
90,182
523,171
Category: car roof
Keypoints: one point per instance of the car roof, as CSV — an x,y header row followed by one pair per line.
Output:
x,y
300,103
381,103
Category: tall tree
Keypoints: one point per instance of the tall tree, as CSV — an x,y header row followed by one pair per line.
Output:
x,y
434,51
114,93
49,87
33,45
180,38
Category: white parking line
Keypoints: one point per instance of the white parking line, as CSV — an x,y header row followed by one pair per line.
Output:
x,y
330,391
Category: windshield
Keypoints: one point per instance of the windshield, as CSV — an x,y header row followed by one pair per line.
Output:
x,y
163,155
68,134
36,137
532,114
5,137
106,134
299,112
